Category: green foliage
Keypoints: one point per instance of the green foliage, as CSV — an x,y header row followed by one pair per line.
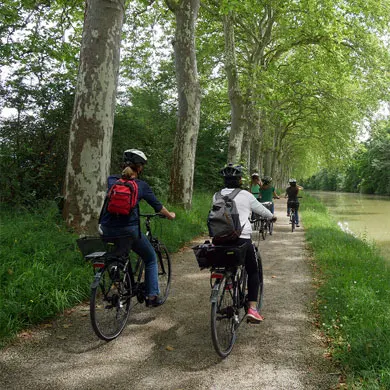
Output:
x,y
367,171
353,299
41,272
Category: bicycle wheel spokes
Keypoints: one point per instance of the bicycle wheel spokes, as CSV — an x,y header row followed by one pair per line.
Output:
x,y
164,271
223,319
261,280
110,301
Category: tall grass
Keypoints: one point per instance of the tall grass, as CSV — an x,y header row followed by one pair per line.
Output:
x,y
41,270
353,299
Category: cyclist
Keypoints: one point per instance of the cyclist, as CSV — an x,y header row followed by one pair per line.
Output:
x,y
292,195
255,185
129,225
246,203
267,192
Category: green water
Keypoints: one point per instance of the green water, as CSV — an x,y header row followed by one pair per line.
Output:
x,y
366,216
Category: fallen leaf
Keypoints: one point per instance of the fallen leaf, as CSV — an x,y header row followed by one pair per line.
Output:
x,y
67,326
61,337
47,325
273,276
169,348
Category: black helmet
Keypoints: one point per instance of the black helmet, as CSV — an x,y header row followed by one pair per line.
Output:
x,y
134,156
266,179
232,171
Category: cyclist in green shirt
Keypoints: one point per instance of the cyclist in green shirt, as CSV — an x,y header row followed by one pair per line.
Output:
x,y
255,185
267,192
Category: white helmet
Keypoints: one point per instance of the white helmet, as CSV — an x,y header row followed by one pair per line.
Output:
x,y
255,174
134,156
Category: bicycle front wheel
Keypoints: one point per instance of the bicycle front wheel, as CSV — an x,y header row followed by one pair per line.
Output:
x,y
223,319
260,295
164,271
110,301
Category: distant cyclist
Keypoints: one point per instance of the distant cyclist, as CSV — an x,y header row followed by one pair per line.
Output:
x,y
246,202
255,185
267,192
292,195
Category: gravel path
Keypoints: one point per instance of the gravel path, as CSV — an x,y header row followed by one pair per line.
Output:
x,y
170,347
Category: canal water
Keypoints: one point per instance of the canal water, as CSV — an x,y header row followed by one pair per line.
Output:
x,y
363,215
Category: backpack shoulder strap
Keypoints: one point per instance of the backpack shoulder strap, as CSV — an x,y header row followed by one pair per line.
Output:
x,y
233,194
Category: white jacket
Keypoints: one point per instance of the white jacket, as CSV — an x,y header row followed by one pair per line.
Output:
x,y
246,203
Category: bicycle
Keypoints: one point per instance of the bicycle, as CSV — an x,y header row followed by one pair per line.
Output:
x,y
263,225
228,282
293,205
119,278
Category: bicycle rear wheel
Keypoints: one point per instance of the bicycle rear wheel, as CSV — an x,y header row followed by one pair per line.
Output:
x,y
110,301
223,319
164,271
292,220
263,229
270,227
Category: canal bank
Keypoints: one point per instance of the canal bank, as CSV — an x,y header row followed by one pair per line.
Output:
x,y
353,298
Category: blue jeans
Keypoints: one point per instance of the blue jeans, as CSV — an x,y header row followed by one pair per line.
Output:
x,y
296,206
142,247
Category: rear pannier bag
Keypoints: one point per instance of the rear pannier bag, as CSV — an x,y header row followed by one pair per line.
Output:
x,y
210,255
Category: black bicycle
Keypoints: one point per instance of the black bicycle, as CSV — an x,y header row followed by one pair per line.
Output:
x,y
263,225
293,206
229,300
119,278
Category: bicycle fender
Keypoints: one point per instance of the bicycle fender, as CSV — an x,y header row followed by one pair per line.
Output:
x,y
214,293
96,280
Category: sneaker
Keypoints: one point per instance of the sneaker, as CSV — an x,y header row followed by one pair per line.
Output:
x,y
254,317
157,301
297,225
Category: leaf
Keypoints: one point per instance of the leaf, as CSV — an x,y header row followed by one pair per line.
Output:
x,y
169,348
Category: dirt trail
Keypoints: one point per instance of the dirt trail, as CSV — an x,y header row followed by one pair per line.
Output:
x,y
170,347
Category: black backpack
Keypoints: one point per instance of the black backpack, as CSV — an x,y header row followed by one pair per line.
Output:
x,y
223,220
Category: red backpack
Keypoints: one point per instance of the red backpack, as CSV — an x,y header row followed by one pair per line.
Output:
x,y
122,197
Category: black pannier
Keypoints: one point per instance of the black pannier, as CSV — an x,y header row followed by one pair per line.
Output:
x,y
209,255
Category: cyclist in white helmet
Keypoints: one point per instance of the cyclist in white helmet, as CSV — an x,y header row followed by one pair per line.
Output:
x,y
128,225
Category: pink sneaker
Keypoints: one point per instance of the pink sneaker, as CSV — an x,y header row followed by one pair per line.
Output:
x,y
254,317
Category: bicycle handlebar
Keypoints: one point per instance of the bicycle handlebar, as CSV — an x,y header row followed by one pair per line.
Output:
x,y
152,215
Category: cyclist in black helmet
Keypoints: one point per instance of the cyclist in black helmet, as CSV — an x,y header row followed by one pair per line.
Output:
x,y
292,195
246,203
113,225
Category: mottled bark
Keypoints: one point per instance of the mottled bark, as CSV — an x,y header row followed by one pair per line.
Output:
x,y
237,127
183,162
93,114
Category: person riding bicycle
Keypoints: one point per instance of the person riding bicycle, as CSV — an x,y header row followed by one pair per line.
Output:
x,y
292,195
113,225
255,185
267,192
246,203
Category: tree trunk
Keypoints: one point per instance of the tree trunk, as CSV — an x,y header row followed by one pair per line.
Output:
x,y
183,162
235,94
93,114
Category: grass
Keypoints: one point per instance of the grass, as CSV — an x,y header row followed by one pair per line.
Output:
x,y
42,273
353,299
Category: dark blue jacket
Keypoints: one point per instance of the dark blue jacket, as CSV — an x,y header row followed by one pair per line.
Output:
x,y
144,192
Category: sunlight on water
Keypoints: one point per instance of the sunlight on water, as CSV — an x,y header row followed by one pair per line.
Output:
x,y
366,216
